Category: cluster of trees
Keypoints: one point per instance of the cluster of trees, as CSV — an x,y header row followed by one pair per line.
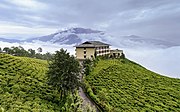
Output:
x,y
20,51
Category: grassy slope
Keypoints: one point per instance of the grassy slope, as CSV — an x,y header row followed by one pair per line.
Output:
x,y
23,85
122,85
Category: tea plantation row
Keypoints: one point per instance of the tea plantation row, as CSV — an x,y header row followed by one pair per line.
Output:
x,y
23,86
122,85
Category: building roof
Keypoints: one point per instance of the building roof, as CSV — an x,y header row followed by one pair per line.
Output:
x,y
92,44
116,50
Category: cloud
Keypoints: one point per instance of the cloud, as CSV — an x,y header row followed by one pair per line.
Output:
x,y
146,18
164,61
46,47
14,30
31,4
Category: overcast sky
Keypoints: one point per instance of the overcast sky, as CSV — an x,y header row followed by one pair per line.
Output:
x,y
147,18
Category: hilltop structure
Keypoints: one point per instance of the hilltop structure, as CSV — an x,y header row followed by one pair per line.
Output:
x,y
91,49
116,53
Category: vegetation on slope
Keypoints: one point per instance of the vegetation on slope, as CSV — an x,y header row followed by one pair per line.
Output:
x,y
20,51
23,85
63,75
64,72
122,85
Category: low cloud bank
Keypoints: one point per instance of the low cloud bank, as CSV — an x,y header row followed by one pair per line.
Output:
x,y
165,61
162,61
46,46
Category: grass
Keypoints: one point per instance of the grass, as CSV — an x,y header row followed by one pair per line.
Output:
x,y
122,85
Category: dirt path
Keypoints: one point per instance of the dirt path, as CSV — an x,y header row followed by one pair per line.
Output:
x,y
86,100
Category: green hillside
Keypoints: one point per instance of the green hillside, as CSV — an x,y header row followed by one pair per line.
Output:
x,y
23,86
122,85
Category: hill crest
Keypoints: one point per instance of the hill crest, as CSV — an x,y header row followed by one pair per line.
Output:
x,y
122,85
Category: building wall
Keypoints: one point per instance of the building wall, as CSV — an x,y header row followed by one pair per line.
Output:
x,y
90,52
115,53
79,53
83,53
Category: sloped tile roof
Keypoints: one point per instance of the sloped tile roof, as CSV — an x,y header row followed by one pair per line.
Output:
x,y
92,44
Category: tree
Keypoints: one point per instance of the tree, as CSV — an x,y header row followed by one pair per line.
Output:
x,y
47,56
22,51
0,50
63,73
7,50
39,49
32,52
15,51
122,56
87,66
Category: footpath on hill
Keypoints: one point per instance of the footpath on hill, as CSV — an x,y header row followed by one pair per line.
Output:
x,y
86,100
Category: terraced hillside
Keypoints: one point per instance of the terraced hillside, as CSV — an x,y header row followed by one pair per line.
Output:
x,y
122,85
23,86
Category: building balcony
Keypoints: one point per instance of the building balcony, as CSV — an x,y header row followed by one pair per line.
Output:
x,y
102,50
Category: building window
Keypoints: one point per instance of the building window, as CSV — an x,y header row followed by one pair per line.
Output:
x,y
84,52
84,56
84,48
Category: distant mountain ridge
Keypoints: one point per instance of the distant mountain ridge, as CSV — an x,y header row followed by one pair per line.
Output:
x,y
9,40
69,36
79,35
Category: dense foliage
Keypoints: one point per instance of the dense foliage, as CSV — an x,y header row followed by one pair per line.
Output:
x,y
122,85
20,51
64,72
23,87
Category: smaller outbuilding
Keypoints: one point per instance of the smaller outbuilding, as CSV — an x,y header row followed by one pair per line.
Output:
x,y
116,53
